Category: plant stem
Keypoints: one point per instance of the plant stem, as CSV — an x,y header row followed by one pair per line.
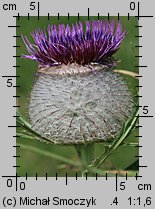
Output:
x,y
86,155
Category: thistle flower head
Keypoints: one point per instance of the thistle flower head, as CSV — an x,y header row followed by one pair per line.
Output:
x,y
73,44
69,103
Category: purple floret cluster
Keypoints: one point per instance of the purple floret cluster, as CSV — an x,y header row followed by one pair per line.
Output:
x,y
95,42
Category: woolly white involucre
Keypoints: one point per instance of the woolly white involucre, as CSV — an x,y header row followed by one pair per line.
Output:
x,y
73,104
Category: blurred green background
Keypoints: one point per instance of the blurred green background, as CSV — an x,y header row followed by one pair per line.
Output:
x,y
124,157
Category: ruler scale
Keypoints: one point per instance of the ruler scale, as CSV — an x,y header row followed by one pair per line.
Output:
x,y
113,190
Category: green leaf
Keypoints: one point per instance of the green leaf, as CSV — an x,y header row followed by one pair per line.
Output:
x,y
49,154
124,133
